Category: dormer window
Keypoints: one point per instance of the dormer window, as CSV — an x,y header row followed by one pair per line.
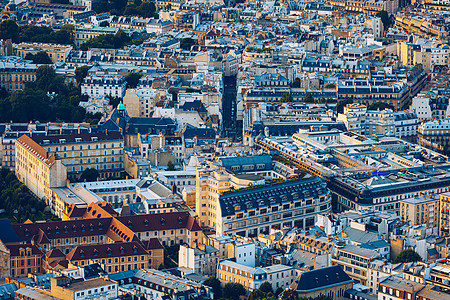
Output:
x,y
109,251
163,221
81,253
66,230
135,250
122,251
180,220
95,252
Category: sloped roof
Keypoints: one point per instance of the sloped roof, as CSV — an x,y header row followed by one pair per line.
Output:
x,y
7,234
321,278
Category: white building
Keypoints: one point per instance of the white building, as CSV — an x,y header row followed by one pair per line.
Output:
x,y
421,106
406,123
96,86
201,260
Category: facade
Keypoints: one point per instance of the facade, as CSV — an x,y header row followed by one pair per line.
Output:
x,y
82,34
25,259
102,151
119,257
289,204
14,76
140,102
66,288
201,259
97,86
354,260
279,276
406,123
56,52
421,210
358,119
444,216
433,134
37,168
393,287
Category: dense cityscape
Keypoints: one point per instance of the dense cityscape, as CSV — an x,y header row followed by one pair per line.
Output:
x,y
225,149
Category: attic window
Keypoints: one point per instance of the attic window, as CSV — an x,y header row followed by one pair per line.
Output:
x,y
122,251
56,230
27,232
135,249
66,230
180,220
100,226
49,231
95,252
74,228
163,221
109,251
81,253
145,222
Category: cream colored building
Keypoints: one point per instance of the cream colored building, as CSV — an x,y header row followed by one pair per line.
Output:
x,y
444,217
56,52
421,210
140,102
102,151
37,168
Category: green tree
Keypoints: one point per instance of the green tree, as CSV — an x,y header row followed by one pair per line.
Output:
x,y
147,9
170,166
408,255
289,295
286,97
81,73
40,57
308,98
133,79
9,30
296,83
29,104
341,104
187,43
214,283
89,174
385,19
233,291
266,287
380,106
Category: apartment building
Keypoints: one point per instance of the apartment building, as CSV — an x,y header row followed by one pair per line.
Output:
x,y
37,168
200,258
357,118
25,259
279,276
421,210
444,216
393,287
56,52
154,284
140,102
102,151
433,134
66,288
99,228
14,130
406,123
84,33
354,260
15,75
119,257
98,86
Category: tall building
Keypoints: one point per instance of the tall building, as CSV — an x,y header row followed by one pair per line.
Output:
x,y
246,204
421,210
444,217
37,168
102,151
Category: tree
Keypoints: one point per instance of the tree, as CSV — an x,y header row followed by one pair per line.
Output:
x,y
9,30
133,79
286,97
266,287
296,83
408,255
233,291
289,295
385,19
380,106
147,9
308,98
40,58
81,73
170,166
187,43
341,104
214,283
27,105
89,174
